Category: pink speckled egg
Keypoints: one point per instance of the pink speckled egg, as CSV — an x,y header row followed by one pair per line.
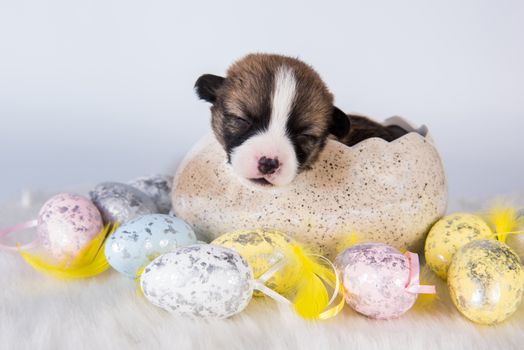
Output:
x,y
67,223
375,276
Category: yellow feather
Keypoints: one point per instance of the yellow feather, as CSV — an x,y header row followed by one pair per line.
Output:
x,y
425,301
504,219
89,262
137,279
347,241
311,296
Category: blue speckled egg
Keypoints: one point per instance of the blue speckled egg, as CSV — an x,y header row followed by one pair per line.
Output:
x,y
134,245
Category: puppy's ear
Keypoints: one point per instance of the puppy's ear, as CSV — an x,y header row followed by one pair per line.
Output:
x,y
340,123
207,85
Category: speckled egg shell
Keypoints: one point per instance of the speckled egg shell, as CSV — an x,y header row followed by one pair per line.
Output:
x,y
135,244
486,281
158,188
375,277
262,249
120,202
199,281
67,223
389,192
448,235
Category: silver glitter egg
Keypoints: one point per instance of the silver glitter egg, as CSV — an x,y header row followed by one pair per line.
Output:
x,y
199,281
158,188
121,203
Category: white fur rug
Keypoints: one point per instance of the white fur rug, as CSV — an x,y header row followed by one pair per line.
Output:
x,y
107,312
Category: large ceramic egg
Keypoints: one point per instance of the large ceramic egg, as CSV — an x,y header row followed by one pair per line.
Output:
x,y
389,192
199,281
135,244
262,250
448,235
486,281
158,188
120,202
375,276
67,223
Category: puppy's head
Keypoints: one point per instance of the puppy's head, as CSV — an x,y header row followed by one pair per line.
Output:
x,y
272,114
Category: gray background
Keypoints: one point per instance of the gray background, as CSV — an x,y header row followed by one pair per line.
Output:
x,y
102,90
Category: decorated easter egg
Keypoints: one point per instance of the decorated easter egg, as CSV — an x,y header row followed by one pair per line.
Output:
x,y
262,250
120,202
448,235
199,281
375,276
158,188
486,281
67,223
136,243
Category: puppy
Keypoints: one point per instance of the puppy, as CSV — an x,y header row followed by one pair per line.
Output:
x,y
273,115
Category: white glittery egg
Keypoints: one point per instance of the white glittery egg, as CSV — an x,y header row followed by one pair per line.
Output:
x,y
199,281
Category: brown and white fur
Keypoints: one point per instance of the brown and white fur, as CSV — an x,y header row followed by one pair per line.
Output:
x,y
273,115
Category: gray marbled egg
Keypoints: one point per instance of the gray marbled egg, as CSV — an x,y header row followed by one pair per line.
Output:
x,y
199,281
121,203
158,188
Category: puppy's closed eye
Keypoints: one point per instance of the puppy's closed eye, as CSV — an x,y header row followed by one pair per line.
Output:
x,y
308,138
238,124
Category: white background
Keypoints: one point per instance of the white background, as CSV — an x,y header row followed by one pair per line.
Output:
x,y
102,90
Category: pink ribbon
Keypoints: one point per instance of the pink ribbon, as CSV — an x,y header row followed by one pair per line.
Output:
x,y
18,227
413,284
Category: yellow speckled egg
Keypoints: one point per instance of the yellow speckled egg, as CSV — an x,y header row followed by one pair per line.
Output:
x,y
262,249
448,235
486,281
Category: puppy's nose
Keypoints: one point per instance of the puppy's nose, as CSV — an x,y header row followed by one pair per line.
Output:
x,y
268,166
